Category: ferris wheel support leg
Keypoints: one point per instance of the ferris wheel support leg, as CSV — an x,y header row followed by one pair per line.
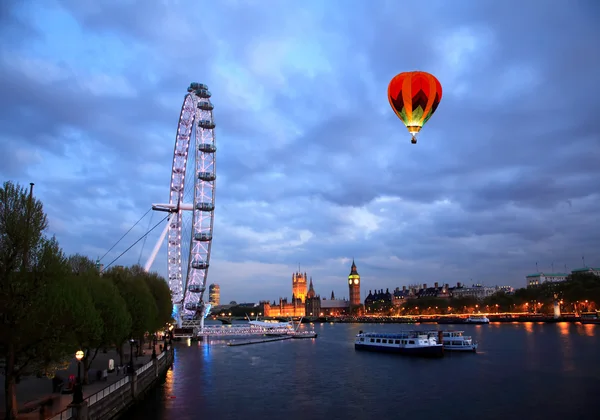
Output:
x,y
179,315
157,247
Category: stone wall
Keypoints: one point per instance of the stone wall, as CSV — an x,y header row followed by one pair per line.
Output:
x,y
118,397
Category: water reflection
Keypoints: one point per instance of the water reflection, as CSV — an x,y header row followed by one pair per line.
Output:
x,y
566,346
169,381
528,327
589,330
564,328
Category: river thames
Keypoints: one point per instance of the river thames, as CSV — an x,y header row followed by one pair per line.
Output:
x,y
521,371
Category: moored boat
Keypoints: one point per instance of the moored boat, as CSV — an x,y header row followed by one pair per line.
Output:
x,y
411,343
477,319
456,341
303,334
590,318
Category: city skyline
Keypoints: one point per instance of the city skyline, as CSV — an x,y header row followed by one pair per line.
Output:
x,y
312,164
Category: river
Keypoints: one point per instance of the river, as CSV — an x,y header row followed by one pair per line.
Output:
x,y
521,371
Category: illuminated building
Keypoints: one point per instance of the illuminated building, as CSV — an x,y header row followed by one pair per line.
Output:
x,y
299,286
354,287
214,294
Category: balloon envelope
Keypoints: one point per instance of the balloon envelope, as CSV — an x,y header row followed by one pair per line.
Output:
x,y
414,97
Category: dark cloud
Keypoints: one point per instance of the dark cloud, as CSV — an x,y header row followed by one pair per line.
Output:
x,y
313,167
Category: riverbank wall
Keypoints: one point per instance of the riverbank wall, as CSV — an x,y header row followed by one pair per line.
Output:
x,y
114,400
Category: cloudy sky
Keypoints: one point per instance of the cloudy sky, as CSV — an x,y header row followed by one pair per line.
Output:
x,y
314,168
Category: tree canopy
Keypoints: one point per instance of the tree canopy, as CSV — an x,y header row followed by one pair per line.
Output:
x,y
53,305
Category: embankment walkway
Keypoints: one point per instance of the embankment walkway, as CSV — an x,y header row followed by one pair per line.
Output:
x,y
37,401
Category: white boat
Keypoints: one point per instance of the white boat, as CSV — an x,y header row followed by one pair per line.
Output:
x,y
477,319
408,342
456,341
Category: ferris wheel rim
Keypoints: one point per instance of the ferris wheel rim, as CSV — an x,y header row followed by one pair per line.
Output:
x,y
189,126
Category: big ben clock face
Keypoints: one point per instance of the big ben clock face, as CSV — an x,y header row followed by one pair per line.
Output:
x,y
355,281
350,281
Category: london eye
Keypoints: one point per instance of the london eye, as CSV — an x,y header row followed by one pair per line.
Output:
x,y
189,231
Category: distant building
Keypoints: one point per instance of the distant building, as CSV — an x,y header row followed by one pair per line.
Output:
x,y
379,302
334,307
536,279
476,291
299,282
509,290
591,270
214,294
308,303
302,301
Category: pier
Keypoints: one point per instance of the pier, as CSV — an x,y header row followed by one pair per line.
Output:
x,y
258,341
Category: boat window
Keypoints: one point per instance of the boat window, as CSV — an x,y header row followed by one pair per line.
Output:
x,y
362,339
384,341
372,341
397,342
411,341
378,340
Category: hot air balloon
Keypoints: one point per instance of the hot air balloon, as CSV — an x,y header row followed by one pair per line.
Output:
x,y
414,97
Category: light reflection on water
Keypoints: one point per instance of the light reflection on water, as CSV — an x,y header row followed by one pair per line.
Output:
x,y
327,379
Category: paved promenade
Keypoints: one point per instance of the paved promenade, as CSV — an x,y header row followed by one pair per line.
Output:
x,y
32,392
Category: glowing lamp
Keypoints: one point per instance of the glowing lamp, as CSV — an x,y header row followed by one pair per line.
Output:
x,y
79,355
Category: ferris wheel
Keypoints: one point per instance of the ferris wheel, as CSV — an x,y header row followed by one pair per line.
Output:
x,y
189,230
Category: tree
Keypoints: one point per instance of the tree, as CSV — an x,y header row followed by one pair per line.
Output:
x,y
162,297
81,265
139,301
42,308
113,314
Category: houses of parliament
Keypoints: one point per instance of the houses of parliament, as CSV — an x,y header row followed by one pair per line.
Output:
x,y
306,302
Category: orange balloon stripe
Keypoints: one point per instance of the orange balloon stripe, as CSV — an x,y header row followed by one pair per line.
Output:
x,y
430,95
407,97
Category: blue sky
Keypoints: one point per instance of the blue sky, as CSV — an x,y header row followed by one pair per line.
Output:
x,y
313,166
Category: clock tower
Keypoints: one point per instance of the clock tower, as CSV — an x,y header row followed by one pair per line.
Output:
x,y
354,286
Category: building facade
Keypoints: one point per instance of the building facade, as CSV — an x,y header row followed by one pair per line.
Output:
x,y
538,278
299,283
214,294
303,303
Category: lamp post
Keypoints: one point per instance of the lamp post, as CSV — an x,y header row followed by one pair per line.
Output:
x,y
130,367
154,346
78,391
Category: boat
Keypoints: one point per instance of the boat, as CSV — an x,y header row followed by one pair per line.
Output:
x,y
411,343
477,319
590,318
456,341
448,320
303,334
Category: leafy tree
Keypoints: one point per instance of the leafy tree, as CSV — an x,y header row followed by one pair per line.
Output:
x,y
112,312
81,264
162,296
42,308
139,300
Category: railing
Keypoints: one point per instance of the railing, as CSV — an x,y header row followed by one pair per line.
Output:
x,y
67,414
144,368
63,415
94,398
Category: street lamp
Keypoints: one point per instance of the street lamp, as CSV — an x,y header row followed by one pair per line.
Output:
x,y
78,391
154,346
130,368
